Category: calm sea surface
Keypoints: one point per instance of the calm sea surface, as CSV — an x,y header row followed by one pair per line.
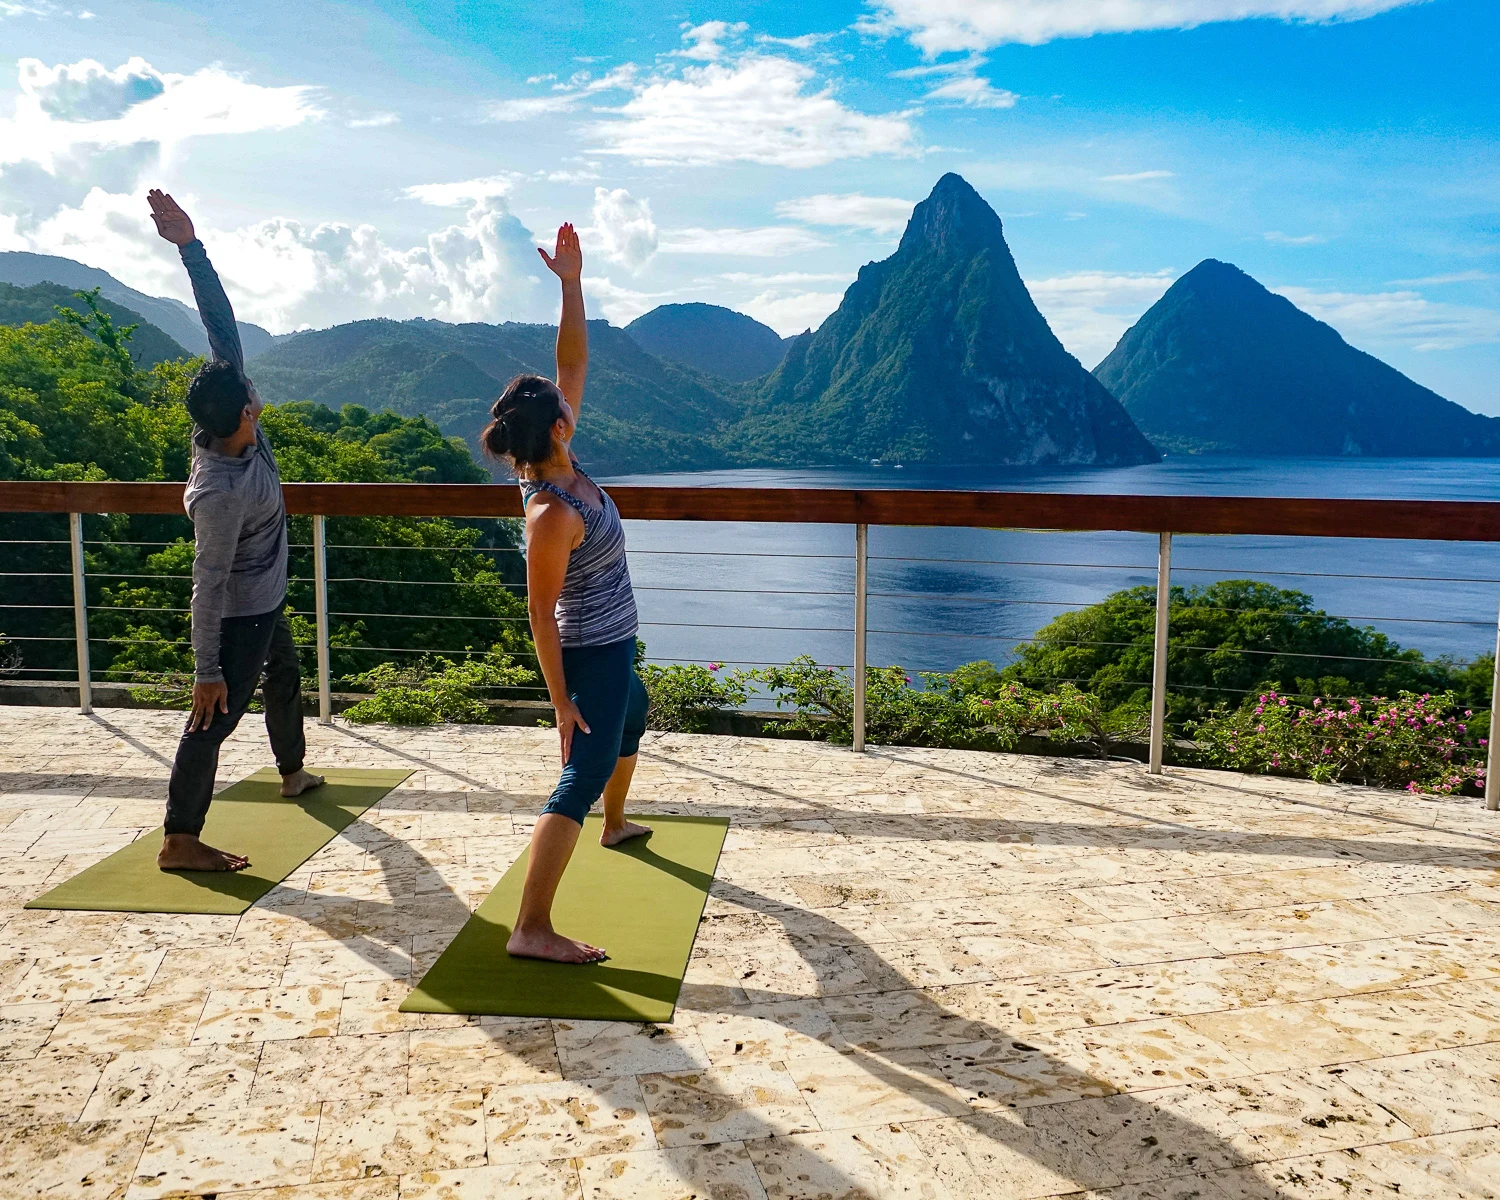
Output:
x,y
762,593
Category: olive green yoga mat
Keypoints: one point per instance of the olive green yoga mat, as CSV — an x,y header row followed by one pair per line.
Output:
x,y
640,901
250,817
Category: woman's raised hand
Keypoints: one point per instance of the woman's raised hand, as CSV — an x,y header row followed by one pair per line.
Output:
x,y
171,222
566,259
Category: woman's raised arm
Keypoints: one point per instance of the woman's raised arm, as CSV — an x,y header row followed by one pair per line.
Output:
x,y
566,262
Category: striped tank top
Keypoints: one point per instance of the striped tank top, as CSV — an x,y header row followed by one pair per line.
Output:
x,y
597,605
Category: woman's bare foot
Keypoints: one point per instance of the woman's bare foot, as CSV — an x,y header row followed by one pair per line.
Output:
x,y
548,944
301,781
613,837
184,852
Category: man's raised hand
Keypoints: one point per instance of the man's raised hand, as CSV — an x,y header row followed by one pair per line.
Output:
x,y
171,222
566,260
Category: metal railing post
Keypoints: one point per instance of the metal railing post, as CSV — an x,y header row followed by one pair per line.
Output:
x,y
861,607
1159,653
320,606
80,614
1491,788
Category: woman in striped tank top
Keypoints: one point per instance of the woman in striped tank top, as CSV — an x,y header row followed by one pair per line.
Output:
x,y
583,617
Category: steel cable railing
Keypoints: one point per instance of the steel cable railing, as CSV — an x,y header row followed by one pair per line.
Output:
x,y
806,610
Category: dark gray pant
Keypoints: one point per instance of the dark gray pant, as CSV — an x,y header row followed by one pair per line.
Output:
x,y
248,648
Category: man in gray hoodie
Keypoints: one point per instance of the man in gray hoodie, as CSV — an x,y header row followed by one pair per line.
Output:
x,y
240,630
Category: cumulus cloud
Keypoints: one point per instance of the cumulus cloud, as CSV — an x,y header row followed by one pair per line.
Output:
x,y
530,107
1405,317
789,311
751,107
704,41
852,210
623,228
940,26
287,275
620,305
69,107
1090,310
768,241
469,191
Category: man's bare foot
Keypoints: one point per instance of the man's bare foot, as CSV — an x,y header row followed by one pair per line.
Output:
x,y
553,947
613,837
184,852
302,781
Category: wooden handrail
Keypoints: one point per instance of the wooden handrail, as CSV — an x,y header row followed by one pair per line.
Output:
x,y
1426,520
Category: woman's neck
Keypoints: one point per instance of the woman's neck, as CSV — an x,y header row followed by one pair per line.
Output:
x,y
559,466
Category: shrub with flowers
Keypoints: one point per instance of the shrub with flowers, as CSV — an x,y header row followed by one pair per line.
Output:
x,y
684,696
1419,742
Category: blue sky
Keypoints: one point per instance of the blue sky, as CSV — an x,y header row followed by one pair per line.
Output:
x,y
349,160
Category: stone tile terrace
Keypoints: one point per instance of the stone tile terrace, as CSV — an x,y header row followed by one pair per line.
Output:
x,y
932,974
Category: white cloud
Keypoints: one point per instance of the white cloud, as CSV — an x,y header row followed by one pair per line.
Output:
x,y
1454,277
757,109
85,107
805,41
703,40
526,109
1137,177
374,121
769,241
286,275
1090,310
620,305
790,312
783,278
974,91
578,175
1276,237
623,228
448,195
852,210
1404,317
566,96
939,26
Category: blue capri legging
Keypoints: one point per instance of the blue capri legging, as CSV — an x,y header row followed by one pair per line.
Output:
x,y
602,682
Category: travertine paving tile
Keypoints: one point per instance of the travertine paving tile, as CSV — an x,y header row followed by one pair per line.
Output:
x,y
775,1032
1011,1073
398,1137
594,1049
48,1087
1284,1113
173,1082
25,1027
573,1119
988,1154
255,1148
1139,1055
88,1158
115,1026
1151,1135
1442,1091
497,1053
301,1071
56,978
1281,1037
349,1189
731,1103
556,1180
845,1091
882,1162
677,1173
268,1014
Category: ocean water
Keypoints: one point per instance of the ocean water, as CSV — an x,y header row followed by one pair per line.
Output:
x,y
761,593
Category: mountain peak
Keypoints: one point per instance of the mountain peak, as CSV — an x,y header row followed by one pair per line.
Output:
x,y
954,219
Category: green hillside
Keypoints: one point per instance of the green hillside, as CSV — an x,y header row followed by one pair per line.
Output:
x,y
640,412
39,303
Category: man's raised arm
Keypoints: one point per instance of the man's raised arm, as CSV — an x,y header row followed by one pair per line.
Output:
x,y
213,305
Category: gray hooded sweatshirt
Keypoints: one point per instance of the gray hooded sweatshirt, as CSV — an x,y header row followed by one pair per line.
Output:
x,y
239,519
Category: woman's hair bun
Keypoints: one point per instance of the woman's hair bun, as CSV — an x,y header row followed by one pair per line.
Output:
x,y
521,420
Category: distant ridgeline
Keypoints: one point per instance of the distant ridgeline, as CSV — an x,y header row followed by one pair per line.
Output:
x,y
937,354
1221,365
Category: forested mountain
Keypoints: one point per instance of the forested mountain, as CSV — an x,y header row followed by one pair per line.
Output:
x,y
640,413
709,338
937,354
174,318
73,407
1221,365
38,304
